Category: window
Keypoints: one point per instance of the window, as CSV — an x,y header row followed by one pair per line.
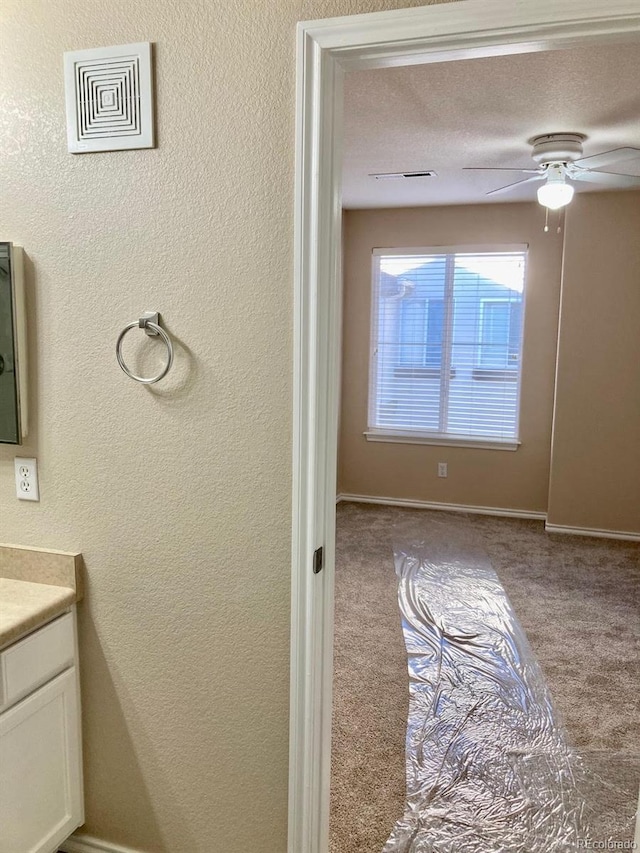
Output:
x,y
446,345
421,322
500,326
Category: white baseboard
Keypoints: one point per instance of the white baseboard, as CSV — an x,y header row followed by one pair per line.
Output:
x,y
87,844
492,510
477,510
592,531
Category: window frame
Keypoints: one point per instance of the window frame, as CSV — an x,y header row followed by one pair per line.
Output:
x,y
407,436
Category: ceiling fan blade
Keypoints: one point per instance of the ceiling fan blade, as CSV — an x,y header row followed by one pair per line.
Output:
x,y
499,169
607,158
607,179
515,184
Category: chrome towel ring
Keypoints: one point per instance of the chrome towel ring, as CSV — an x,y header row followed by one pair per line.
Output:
x,y
150,322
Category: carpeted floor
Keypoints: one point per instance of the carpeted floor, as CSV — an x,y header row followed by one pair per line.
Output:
x,y
578,600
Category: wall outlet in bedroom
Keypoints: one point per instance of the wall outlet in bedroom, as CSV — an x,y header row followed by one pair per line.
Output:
x,y
442,469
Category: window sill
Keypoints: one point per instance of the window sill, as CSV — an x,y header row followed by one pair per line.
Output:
x,y
402,437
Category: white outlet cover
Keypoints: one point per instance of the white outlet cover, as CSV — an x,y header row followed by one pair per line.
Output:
x,y
109,97
26,471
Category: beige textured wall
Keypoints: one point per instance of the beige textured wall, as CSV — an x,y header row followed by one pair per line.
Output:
x,y
178,497
595,480
492,478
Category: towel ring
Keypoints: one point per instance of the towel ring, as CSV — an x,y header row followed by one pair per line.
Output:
x,y
150,322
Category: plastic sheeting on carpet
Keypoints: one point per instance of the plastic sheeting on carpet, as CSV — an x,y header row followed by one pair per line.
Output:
x,y
488,765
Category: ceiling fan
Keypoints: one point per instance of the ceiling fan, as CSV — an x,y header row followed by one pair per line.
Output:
x,y
559,158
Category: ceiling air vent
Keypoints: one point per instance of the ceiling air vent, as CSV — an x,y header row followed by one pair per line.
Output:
x,y
109,98
387,176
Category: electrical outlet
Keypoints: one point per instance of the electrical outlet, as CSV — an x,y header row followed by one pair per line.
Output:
x,y
442,469
27,479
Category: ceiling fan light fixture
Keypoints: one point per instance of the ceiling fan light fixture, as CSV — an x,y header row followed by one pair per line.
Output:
x,y
555,195
559,156
555,192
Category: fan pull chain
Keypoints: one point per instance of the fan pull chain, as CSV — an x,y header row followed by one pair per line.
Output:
x,y
560,221
561,216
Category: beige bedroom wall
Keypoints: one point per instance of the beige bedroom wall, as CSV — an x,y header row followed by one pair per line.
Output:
x,y
595,479
179,496
490,478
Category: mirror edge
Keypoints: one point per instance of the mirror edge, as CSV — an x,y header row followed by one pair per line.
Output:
x,y
19,318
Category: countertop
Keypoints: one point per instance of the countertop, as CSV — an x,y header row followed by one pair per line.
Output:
x,y
36,585
25,606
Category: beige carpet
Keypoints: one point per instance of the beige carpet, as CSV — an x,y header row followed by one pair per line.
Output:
x,y
578,600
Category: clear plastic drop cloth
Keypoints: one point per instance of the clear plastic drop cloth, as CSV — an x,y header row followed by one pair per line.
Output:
x,y
488,765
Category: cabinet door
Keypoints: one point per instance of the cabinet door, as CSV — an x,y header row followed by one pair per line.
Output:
x,y
40,773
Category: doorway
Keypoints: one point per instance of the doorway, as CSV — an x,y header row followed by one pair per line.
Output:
x,y
326,50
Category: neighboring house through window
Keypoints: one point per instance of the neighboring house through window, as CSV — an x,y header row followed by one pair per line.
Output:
x,y
446,345
500,333
420,333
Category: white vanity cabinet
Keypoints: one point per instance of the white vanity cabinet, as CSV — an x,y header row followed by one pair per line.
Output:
x,y
41,800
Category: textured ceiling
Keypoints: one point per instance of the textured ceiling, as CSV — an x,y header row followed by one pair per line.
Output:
x,y
482,112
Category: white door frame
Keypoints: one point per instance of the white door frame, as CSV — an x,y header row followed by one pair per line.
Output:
x,y
327,48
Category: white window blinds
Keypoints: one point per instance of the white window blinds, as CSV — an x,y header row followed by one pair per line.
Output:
x,y
446,343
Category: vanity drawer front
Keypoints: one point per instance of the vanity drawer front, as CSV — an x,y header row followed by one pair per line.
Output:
x,y
34,660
